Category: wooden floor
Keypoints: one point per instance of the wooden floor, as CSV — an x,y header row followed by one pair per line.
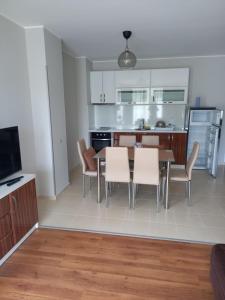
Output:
x,y
55,264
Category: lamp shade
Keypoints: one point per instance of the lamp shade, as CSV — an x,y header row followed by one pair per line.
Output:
x,y
127,59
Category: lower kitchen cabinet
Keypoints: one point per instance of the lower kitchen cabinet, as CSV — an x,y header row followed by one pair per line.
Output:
x,y
18,215
175,141
179,147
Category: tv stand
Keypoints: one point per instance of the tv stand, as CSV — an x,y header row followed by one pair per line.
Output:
x,y
18,214
11,181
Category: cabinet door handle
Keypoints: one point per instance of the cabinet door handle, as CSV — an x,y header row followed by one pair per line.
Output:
x,y
104,97
15,201
100,97
172,137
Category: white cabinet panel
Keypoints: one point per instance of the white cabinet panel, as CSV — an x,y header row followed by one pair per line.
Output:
x,y
169,77
108,83
96,87
102,87
134,78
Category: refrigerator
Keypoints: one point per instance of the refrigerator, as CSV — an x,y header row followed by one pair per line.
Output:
x,y
205,128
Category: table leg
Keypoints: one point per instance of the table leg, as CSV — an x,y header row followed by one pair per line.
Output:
x,y
167,184
99,183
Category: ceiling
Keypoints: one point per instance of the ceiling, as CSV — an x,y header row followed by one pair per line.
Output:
x,y
161,28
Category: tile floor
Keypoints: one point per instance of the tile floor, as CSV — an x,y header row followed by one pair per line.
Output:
x,y
204,221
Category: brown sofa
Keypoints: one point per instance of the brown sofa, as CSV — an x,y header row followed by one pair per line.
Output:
x,y
218,271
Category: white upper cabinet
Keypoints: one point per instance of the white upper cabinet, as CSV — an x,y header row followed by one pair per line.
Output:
x,y
132,78
102,87
96,87
108,83
169,77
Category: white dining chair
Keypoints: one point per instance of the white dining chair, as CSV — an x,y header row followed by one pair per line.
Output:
x,y
81,146
117,169
185,175
146,170
150,140
127,140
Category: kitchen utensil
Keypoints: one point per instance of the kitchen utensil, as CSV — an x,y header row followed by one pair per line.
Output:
x,y
160,124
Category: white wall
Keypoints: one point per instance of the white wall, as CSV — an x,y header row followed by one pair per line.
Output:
x,y
76,85
40,110
53,52
14,89
69,75
207,80
82,68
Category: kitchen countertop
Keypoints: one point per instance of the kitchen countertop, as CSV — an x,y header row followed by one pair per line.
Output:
x,y
163,130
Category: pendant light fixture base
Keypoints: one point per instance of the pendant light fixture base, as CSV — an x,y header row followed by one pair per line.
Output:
x,y
127,34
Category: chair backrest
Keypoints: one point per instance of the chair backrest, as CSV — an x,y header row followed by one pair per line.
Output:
x,y
150,140
81,146
192,159
146,166
117,165
127,140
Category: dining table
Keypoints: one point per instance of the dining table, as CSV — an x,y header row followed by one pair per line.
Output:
x,y
165,155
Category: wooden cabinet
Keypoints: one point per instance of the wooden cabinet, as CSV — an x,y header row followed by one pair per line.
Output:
x,y
179,147
169,77
175,141
6,229
102,87
24,209
132,78
18,214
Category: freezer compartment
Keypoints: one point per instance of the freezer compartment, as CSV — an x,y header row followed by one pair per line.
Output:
x,y
202,117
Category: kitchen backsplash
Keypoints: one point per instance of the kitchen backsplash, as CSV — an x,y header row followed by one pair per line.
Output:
x,y
128,116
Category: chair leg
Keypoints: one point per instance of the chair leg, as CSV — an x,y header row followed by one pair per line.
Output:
x,y
110,188
158,198
163,189
130,206
83,185
133,195
189,193
89,183
136,189
106,193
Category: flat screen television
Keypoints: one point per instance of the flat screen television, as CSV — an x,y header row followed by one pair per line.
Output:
x,y
10,158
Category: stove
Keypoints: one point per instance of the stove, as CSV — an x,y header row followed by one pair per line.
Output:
x,y
104,128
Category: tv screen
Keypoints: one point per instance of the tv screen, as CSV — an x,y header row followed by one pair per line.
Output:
x,y
10,159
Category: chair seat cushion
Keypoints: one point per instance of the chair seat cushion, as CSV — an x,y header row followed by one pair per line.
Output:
x,y
91,162
217,271
178,175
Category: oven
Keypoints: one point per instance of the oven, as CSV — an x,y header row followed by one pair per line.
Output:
x,y
100,140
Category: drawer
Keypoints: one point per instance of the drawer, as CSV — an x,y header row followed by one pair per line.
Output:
x,y
6,244
5,226
4,206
